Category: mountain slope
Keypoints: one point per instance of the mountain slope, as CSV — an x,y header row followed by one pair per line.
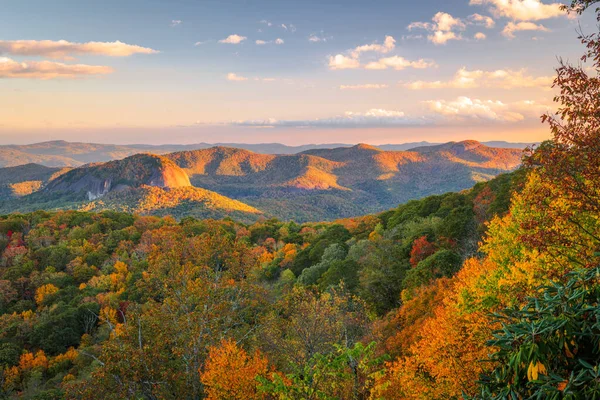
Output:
x,y
316,184
143,183
26,179
345,181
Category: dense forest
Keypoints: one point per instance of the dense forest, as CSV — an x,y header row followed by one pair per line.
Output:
x,y
490,293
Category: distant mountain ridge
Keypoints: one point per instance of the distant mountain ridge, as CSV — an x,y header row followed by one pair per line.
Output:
x,y
60,153
316,184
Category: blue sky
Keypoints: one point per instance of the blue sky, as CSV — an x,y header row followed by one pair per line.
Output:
x,y
307,81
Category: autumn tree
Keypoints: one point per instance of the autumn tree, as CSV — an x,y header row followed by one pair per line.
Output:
x,y
231,373
568,196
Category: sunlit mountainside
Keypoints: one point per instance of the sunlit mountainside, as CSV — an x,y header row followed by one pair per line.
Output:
x,y
312,185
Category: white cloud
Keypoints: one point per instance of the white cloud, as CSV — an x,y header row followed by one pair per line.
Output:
x,y
314,38
420,25
236,78
443,28
441,37
342,62
176,23
373,117
263,42
522,10
352,61
512,27
465,108
388,45
446,22
480,36
399,63
481,20
267,23
48,69
62,49
233,39
363,86
504,79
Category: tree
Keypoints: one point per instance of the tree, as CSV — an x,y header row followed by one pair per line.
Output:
x,y
568,196
230,373
421,249
346,373
550,347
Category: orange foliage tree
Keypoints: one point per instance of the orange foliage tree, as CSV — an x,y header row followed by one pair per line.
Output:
x,y
230,373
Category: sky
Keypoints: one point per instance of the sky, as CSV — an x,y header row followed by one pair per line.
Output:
x,y
293,72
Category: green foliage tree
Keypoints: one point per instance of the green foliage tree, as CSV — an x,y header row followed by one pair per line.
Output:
x,y
550,347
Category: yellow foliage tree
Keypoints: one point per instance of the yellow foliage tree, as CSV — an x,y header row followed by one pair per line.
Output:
x,y
43,291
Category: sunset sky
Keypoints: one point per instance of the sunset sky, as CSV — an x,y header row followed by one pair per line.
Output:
x,y
311,71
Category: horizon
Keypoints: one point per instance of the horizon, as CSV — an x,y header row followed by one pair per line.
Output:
x,y
284,72
224,144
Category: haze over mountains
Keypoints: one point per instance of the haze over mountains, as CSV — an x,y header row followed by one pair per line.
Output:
x,y
315,184
72,154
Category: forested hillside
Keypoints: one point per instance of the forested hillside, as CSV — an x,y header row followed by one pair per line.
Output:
x,y
82,291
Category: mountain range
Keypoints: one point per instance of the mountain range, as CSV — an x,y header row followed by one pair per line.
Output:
x,y
72,154
315,184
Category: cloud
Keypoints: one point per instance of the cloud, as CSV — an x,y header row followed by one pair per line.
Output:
x,y
511,28
236,78
399,63
48,69
289,27
364,86
372,118
443,28
480,36
315,39
352,61
267,23
233,39
481,20
388,45
504,79
446,22
441,37
465,108
263,42
342,62
522,10
62,49
176,22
